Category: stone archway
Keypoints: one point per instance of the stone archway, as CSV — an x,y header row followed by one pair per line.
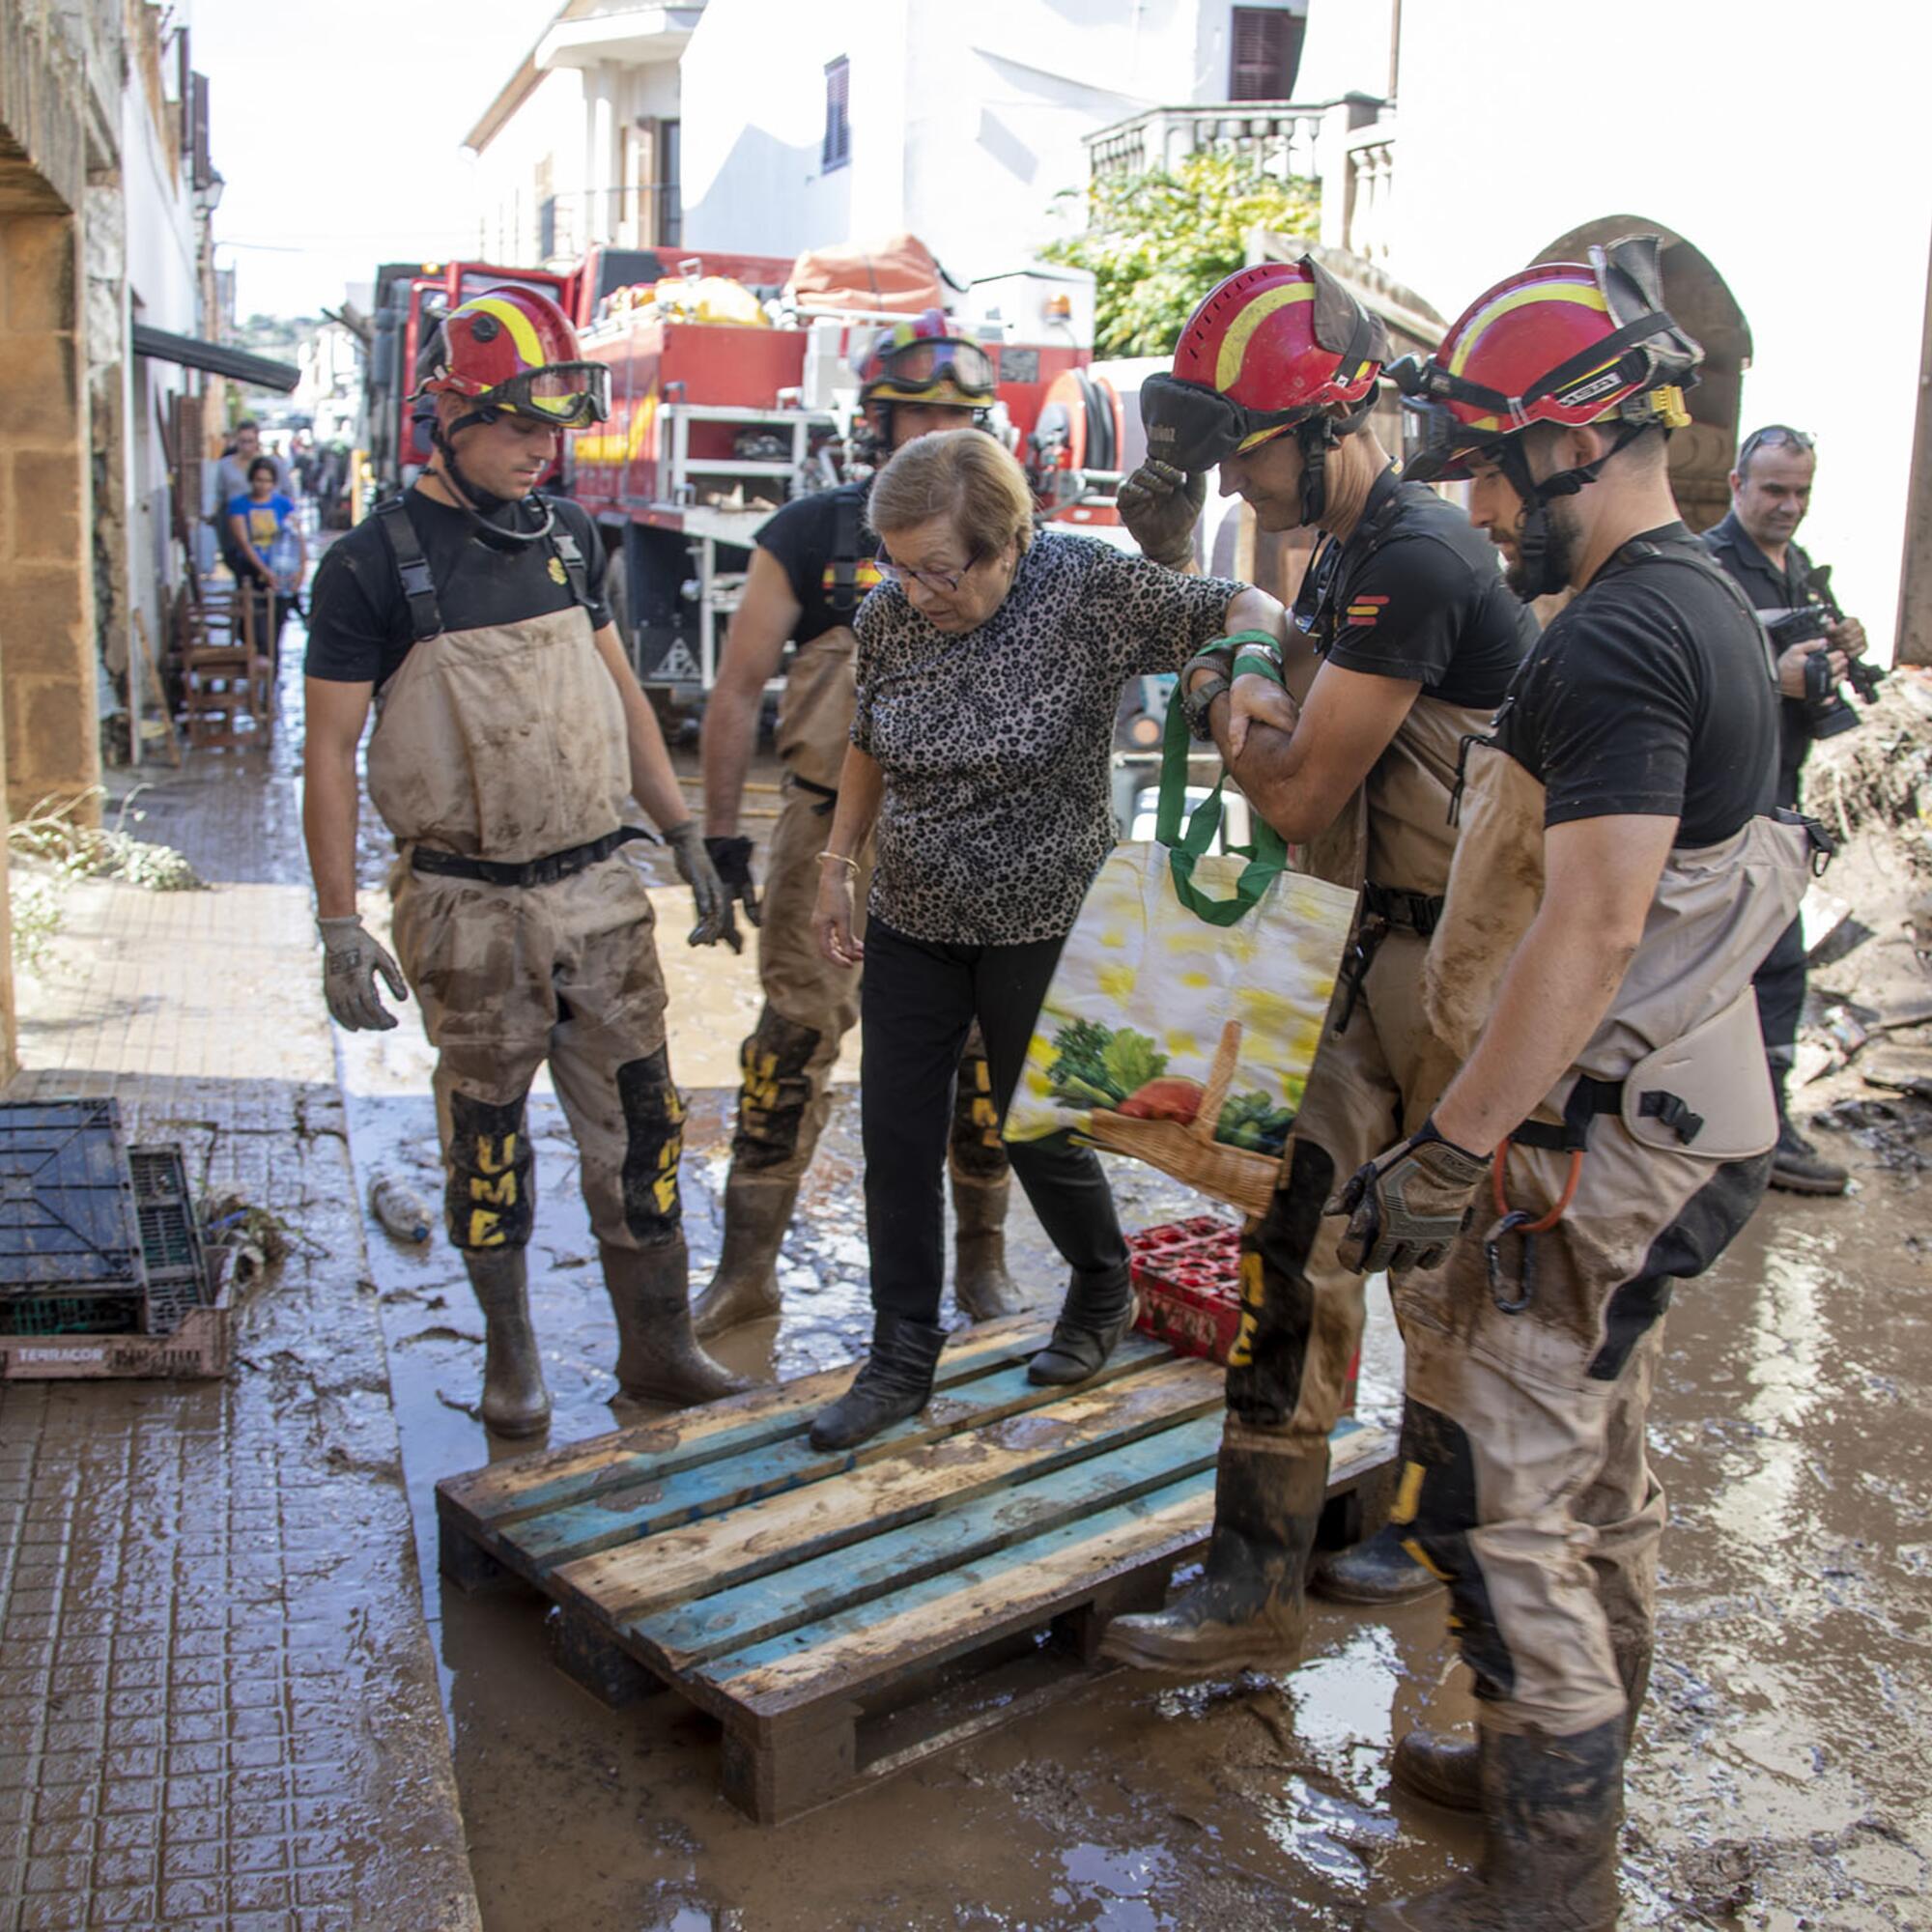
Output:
x,y
1697,296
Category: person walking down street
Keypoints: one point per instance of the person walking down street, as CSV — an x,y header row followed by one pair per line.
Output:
x,y
1406,639
989,672
510,739
813,565
1771,491
231,480
273,554
1619,875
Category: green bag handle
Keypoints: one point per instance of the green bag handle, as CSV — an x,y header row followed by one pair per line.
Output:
x,y
1267,856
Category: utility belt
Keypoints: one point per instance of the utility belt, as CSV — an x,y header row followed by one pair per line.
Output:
x,y
544,871
1385,909
1711,1068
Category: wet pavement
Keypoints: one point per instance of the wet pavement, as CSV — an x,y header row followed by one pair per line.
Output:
x,y
1778,1780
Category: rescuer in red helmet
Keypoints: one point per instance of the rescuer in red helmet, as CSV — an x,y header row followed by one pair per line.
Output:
x,y
1407,639
1618,879
811,567
511,740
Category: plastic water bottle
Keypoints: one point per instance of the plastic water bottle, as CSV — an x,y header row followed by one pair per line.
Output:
x,y
284,559
399,1208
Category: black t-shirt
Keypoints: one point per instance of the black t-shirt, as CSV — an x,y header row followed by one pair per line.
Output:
x,y
1649,695
1771,592
1416,593
803,536
358,620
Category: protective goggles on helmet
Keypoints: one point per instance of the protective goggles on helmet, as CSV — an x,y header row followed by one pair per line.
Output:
x,y
1194,428
922,362
566,395
1437,444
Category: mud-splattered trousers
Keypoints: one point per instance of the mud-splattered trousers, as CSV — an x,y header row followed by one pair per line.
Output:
x,y
507,745
1530,1362
811,1004
1376,1073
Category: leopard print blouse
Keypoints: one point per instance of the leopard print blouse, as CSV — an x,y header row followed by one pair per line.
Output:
x,y
996,743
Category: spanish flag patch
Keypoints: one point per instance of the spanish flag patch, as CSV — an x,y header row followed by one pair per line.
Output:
x,y
1365,609
865,575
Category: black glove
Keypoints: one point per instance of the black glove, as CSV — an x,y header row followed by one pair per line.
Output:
x,y
695,869
1407,1205
732,857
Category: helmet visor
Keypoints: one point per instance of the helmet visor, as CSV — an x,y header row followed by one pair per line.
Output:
x,y
923,364
569,395
1194,428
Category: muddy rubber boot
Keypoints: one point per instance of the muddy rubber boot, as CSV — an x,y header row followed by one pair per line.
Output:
x,y
1095,1317
1796,1167
1378,1569
980,1284
1247,1611
1440,1766
1551,1810
515,1401
658,1356
894,1381
745,1287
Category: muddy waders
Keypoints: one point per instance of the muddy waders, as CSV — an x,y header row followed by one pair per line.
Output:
x,y
810,1006
499,761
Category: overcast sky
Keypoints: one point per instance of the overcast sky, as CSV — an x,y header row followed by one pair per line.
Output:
x,y
336,125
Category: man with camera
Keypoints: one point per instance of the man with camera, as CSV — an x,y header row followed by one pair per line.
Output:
x,y
1817,647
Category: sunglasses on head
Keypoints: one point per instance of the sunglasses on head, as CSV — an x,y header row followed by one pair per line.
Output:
x,y
1776,436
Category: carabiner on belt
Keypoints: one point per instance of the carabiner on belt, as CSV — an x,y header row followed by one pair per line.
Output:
x,y
1519,1221
1363,943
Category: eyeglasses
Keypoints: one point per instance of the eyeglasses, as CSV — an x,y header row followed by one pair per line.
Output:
x,y
1776,435
948,581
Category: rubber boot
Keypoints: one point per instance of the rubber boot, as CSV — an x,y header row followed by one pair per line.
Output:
x,y
894,1381
1796,1167
745,1287
980,1284
1375,1570
1440,1766
1097,1312
1247,1611
515,1401
1551,1809
658,1356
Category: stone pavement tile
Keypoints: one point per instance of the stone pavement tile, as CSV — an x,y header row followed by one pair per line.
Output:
x,y
218,1702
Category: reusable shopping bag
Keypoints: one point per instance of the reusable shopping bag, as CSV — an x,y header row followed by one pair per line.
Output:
x,y
1187,1007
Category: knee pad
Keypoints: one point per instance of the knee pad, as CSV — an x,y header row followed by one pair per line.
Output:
x,y
491,1199
1434,1511
653,1146
773,1091
1265,1365
975,1149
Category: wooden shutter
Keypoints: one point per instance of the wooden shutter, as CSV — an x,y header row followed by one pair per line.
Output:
x,y
1266,52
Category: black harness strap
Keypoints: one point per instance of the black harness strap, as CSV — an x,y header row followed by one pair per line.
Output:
x,y
412,570
1589,1098
844,598
544,871
564,548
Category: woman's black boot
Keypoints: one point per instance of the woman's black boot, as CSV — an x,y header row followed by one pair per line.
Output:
x,y
894,1381
1098,1311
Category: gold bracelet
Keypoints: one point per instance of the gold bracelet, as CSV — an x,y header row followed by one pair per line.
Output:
x,y
850,865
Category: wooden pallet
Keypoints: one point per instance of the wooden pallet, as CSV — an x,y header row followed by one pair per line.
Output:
x,y
846,1614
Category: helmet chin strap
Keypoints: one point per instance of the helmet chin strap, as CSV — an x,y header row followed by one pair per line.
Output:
x,y
1536,565
497,536
1317,436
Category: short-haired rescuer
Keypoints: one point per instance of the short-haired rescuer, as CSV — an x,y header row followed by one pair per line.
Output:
x,y
510,741
1405,640
1619,875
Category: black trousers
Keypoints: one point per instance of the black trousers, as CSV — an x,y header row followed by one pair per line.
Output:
x,y
1779,986
917,1005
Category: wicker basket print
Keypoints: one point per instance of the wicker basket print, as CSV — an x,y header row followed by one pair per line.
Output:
x,y
1187,1007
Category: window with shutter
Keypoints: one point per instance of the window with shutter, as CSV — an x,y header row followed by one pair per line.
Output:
x,y
837,147
1266,52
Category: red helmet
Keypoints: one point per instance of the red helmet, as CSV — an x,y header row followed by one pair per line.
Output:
x,y
514,352
1272,348
925,359
1562,342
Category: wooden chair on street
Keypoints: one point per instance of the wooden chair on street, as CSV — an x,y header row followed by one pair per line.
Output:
x,y
227,680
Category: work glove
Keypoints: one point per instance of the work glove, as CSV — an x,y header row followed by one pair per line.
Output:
x,y
707,889
350,959
1160,506
732,859
1407,1205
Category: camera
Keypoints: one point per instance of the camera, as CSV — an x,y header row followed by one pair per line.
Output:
x,y
1825,705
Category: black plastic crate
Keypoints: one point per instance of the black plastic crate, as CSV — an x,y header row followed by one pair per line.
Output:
x,y
67,1211
179,1277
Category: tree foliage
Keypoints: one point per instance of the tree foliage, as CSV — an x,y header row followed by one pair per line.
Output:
x,y
1157,242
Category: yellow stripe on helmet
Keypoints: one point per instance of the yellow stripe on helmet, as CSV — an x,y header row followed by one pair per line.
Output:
x,y
1234,344
523,336
1585,293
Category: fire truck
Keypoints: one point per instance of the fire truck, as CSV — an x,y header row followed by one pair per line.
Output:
x,y
715,424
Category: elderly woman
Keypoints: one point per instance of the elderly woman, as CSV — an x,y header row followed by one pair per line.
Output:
x,y
990,665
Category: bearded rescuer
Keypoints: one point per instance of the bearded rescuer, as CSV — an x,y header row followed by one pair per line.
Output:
x,y
510,739
1406,639
1621,872
813,563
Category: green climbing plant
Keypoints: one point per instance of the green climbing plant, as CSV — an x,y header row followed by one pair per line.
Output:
x,y
1157,242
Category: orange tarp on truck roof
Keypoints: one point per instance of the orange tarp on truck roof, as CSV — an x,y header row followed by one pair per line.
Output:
x,y
896,274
